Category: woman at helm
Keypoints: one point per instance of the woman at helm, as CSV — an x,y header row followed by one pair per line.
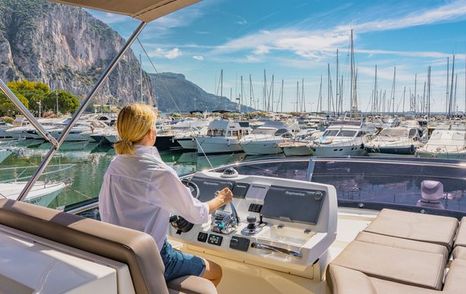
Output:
x,y
140,191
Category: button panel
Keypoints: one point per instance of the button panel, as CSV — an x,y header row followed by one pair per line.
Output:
x,y
254,207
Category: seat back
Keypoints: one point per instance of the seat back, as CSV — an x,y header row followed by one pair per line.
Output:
x,y
136,249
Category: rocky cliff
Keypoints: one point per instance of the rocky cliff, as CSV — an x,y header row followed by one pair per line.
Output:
x,y
66,48
174,94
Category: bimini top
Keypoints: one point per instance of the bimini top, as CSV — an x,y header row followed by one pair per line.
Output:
x,y
145,10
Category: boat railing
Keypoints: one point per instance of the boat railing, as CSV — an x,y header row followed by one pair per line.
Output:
x,y
54,173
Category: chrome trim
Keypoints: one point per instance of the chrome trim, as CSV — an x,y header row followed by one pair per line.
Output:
x,y
276,249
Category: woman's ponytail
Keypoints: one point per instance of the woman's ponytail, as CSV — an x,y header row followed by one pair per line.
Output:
x,y
133,123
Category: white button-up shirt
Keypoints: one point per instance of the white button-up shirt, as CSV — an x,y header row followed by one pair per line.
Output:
x,y
140,192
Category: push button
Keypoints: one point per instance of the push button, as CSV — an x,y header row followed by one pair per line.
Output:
x,y
202,237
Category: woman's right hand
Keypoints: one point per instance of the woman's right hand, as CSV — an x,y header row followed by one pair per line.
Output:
x,y
222,197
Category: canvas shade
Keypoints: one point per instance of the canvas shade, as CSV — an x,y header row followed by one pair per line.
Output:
x,y
145,10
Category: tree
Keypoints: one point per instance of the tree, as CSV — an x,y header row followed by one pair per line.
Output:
x,y
32,91
67,102
7,107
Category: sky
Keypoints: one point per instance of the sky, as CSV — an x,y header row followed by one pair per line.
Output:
x,y
297,39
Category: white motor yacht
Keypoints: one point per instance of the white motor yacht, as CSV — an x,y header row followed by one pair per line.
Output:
x,y
302,143
187,140
397,140
223,136
341,139
265,140
42,193
449,143
186,131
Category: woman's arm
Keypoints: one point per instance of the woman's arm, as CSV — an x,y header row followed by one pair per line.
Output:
x,y
222,197
170,194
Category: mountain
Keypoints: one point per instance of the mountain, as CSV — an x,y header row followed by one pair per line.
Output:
x,y
176,94
67,48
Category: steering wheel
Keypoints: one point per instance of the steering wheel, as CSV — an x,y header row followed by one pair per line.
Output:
x,y
192,187
178,222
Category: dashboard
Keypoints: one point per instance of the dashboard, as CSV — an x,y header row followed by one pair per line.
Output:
x,y
282,224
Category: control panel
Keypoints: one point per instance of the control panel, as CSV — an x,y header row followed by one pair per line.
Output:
x,y
278,223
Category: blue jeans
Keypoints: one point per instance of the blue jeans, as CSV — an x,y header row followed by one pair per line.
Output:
x,y
179,264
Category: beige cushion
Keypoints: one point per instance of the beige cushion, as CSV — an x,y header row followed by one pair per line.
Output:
x,y
387,287
191,285
415,226
402,243
413,267
459,253
343,280
461,235
455,283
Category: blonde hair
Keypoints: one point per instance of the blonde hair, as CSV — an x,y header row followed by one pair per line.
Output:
x,y
133,123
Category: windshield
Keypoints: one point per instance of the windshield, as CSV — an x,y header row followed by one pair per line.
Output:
x,y
330,133
346,133
394,133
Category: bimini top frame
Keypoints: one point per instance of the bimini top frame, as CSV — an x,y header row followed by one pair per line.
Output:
x,y
144,10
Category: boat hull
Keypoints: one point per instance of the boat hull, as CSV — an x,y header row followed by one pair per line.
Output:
x,y
332,150
392,149
441,155
166,143
297,151
187,143
218,145
261,148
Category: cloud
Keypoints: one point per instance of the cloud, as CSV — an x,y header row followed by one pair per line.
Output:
x,y
452,11
169,54
108,18
242,21
198,57
317,44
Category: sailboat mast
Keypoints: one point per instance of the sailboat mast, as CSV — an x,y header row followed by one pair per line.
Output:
x,y
319,101
423,101
251,99
297,96
428,92
375,103
393,89
303,98
281,96
451,86
221,83
454,97
264,94
404,96
329,89
271,96
448,87
351,74
241,95
337,94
